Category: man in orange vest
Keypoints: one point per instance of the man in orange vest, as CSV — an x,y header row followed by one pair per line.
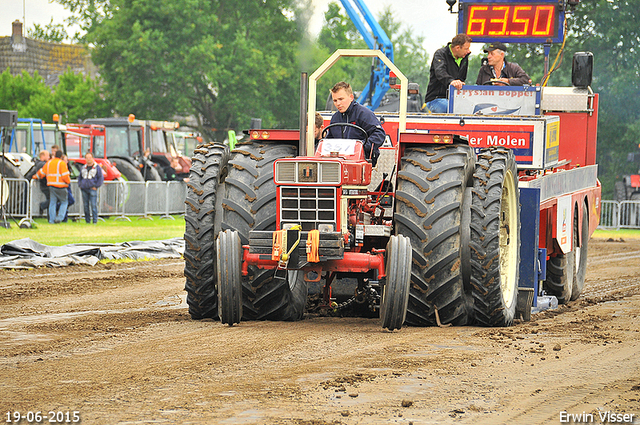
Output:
x,y
57,174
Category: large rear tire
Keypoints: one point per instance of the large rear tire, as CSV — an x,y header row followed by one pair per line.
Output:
x,y
9,170
561,270
284,297
395,292
128,171
209,170
620,191
429,203
580,252
495,238
151,174
229,262
248,202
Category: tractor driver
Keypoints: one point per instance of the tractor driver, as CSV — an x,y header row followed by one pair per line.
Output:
x,y
350,111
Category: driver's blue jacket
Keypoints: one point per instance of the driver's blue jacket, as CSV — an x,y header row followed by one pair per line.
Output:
x,y
362,117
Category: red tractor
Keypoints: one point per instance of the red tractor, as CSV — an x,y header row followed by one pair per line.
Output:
x,y
433,234
82,138
124,146
628,189
161,145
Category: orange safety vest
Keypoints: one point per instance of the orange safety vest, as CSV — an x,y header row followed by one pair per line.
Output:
x,y
56,172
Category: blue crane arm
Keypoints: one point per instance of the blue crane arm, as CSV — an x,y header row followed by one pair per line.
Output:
x,y
376,39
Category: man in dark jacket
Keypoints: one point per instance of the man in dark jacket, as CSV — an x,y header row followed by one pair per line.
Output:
x,y
89,180
350,111
498,71
43,158
448,67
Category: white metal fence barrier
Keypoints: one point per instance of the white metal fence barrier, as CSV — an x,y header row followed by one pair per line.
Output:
x,y
25,200
619,215
123,199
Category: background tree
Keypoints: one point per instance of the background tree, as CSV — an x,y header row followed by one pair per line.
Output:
x,y
27,94
53,33
611,31
76,97
202,58
409,53
339,32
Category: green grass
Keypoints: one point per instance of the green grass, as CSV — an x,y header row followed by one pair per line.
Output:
x,y
116,231
617,234
108,231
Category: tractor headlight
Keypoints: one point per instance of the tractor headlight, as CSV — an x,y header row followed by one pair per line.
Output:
x,y
325,228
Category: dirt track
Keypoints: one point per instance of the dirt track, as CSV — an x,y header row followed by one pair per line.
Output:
x,y
116,344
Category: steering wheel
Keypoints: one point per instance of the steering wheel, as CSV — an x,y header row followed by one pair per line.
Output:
x,y
495,82
345,124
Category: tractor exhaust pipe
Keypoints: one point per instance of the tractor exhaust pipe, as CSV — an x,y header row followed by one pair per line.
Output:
x,y
304,107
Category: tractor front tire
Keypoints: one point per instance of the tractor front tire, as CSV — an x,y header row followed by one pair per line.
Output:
x,y
395,292
229,262
495,238
208,171
429,207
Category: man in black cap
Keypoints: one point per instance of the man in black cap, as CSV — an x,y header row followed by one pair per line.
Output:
x,y
498,71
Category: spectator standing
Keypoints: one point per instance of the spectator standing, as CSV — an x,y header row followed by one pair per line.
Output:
x,y
448,67
70,199
89,180
43,158
57,175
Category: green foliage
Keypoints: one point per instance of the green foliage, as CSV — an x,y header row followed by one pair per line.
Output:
x,y
53,33
611,31
87,14
222,61
339,32
77,97
74,98
408,50
27,94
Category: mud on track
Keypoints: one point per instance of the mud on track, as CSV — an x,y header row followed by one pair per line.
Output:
x,y
116,343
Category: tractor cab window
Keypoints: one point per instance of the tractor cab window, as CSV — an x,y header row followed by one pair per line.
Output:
x,y
172,149
117,141
85,146
98,146
157,141
19,142
49,139
73,145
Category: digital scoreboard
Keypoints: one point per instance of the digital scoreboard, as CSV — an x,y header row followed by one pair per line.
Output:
x,y
512,21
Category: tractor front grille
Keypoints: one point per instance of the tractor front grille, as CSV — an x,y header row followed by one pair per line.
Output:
x,y
308,206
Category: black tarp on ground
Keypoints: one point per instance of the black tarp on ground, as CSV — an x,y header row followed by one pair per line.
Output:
x,y
26,253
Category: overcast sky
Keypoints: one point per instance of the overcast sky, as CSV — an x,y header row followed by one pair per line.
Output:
x,y
429,18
